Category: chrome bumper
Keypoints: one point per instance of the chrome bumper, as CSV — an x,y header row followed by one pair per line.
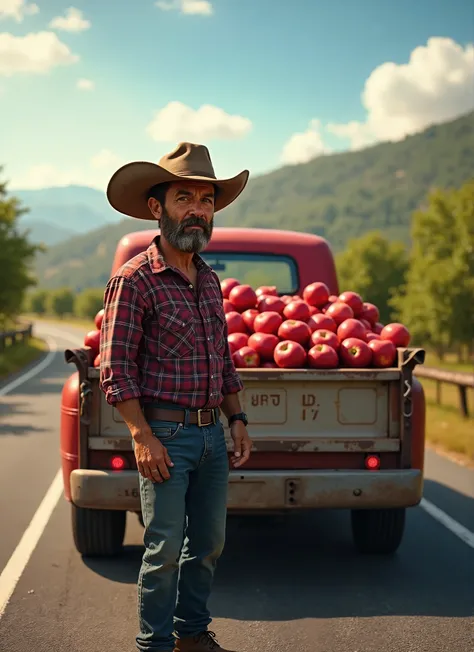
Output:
x,y
266,490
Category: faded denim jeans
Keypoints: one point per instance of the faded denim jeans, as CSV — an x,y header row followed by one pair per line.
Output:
x,y
185,519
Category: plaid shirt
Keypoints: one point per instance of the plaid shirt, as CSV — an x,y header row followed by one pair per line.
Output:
x,y
162,339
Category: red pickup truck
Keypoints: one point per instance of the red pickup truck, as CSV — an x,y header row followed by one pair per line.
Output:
x,y
313,430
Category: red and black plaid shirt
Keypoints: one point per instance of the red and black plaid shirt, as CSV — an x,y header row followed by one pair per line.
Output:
x,y
163,339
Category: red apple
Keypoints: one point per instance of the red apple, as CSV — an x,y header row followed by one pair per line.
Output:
x,y
369,336
378,328
235,323
340,311
297,310
295,330
322,356
315,322
243,297
270,365
268,290
289,355
246,357
323,336
355,353
249,317
227,285
98,319
275,304
286,298
333,298
316,294
370,312
314,311
237,341
228,307
353,300
351,328
267,322
384,352
396,333
92,339
296,297
366,323
264,344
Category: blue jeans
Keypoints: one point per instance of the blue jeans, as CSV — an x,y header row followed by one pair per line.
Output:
x,y
185,519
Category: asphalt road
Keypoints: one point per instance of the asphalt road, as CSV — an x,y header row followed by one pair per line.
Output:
x,y
282,585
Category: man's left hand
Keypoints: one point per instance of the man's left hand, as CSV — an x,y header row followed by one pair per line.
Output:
x,y
242,443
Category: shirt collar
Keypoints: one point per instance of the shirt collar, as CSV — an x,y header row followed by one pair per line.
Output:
x,y
158,263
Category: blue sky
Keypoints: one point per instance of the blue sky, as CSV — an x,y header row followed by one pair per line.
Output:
x,y
282,81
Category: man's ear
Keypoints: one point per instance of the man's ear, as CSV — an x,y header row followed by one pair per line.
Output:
x,y
155,208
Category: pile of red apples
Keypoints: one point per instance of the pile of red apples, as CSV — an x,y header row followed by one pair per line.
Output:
x,y
316,330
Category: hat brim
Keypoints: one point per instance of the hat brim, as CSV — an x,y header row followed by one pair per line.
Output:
x,y
128,189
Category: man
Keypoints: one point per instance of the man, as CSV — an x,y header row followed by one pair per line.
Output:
x,y
167,368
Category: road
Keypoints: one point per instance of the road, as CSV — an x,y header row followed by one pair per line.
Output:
x,y
280,586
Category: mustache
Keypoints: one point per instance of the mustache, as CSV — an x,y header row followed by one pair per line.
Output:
x,y
194,221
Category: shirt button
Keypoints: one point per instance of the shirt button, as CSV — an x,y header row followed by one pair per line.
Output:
x,y
191,286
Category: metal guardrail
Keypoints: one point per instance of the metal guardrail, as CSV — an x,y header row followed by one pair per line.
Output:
x,y
462,379
9,338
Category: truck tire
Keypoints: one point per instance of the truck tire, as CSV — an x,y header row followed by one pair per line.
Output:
x,y
98,532
377,531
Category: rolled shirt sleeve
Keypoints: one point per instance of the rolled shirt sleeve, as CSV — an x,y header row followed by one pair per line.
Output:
x,y
121,334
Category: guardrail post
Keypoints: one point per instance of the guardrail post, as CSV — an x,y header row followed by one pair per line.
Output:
x,y
463,401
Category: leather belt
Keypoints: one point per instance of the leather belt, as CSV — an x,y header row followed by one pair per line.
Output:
x,y
201,417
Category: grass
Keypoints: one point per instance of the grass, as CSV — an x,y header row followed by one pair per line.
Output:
x,y
450,362
445,427
54,319
19,355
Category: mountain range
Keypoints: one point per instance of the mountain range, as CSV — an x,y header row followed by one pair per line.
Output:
x,y
338,196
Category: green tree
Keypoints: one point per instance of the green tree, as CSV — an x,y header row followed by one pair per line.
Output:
x,y
89,302
61,302
375,268
36,302
16,255
437,301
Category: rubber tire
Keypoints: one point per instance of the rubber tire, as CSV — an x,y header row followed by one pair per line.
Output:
x,y
98,532
377,531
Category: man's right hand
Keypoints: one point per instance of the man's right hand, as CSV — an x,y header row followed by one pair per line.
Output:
x,y
152,457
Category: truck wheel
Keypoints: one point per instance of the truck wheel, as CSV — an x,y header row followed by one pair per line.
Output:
x,y
98,532
377,531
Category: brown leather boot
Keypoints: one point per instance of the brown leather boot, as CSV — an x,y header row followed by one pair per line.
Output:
x,y
203,642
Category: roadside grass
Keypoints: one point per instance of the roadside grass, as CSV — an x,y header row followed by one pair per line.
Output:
x,y
450,362
68,320
446,428
19,355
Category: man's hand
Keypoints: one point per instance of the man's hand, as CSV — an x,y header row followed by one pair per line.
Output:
x,y
242,443
152,457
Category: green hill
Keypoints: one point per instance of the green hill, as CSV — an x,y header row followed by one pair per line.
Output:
x,y
338,196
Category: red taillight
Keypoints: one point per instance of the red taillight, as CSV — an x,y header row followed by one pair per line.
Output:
x,y
372,462
118,462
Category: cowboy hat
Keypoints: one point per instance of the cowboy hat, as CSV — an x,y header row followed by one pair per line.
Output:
x,y
129,186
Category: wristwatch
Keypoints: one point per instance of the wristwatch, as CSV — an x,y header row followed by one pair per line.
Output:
x,y
240,416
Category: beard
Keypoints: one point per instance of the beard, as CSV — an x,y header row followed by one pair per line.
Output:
x,y
191,242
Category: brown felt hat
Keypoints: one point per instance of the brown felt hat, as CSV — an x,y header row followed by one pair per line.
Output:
x,y
129,186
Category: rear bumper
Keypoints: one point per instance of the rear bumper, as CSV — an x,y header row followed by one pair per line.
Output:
x,y
266,490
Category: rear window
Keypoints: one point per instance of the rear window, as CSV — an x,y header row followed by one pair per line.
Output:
x,y
255,269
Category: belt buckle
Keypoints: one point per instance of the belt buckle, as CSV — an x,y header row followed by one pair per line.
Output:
x,y
199,417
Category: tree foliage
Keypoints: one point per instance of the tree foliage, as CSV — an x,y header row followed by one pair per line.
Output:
x,y
16,256
375,268
89,302
437,301
60,302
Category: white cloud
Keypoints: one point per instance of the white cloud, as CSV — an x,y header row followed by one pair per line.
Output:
x,y
34,53
436,85
85,85
73,21
96,173
303,146
17,9
190,7
178,122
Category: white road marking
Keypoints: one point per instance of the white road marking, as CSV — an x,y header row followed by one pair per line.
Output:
x,y
456,528
19,559
34,371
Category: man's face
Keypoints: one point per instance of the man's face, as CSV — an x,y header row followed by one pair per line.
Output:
x,y
187,218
